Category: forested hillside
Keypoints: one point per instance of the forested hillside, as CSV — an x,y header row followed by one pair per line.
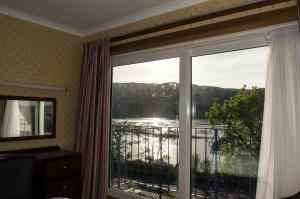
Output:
x,y
139,100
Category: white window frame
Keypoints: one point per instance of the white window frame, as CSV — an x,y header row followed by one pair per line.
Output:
x,y
185,51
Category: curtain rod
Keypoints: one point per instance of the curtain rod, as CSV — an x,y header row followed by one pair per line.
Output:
x,y
211,40
204,20
31,86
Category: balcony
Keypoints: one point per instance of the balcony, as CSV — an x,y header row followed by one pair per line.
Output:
x,y
144,162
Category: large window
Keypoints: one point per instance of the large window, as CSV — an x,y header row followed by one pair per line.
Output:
x,y
228,102
190,126
144,130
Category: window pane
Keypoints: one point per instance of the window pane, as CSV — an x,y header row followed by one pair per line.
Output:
x,y
227,101
28,118
144,128
36,118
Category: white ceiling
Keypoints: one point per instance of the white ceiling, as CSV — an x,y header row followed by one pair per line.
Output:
x,y
81,14
89,16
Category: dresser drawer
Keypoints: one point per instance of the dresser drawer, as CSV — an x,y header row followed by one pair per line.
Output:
x,y
62,168
63,188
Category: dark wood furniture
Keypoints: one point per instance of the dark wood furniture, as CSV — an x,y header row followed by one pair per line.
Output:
x,y
57,173
16,173
295,196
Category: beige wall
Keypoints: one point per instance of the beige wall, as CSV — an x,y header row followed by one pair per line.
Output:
x,y
33,54
177,15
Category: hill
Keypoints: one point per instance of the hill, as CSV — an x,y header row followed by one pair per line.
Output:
x,y
134,100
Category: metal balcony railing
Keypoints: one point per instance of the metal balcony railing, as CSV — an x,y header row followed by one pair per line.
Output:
x,y
144,161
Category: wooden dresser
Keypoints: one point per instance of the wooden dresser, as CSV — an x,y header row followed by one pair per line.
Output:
x,y
57,173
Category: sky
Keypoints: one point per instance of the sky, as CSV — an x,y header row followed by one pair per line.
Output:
x,y
227,70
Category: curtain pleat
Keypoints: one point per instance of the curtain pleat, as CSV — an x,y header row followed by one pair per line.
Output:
x,y
2,111
93,121
279,164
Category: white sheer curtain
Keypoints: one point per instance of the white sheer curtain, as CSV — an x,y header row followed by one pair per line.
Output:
x,y
11,120
279,164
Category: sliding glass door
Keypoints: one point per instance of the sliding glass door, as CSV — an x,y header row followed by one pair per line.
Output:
x,y
145,128
186,121
227,104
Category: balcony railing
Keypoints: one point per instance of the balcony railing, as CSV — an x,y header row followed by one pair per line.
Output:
x,y
144,161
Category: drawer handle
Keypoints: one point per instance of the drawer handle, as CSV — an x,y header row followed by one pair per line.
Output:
x,y
64,167
64,186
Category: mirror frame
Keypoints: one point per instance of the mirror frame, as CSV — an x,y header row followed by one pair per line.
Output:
x,y
9,97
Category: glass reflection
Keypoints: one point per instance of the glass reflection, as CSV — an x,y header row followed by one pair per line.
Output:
x,y
19,118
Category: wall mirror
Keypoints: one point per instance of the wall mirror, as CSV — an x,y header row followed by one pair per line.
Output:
x,y
25,118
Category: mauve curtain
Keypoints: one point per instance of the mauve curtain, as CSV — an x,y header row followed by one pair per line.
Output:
x,y
279,164
93,122
2,111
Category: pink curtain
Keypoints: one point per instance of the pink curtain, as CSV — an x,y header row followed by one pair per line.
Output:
x,y
2,111
93,122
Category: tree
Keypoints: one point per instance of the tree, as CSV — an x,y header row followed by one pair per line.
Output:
x,y
241,116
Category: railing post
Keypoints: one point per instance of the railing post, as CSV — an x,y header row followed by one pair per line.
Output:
x,y
216,163
149,158
152,155
145,169
131,157
125,156
119,156
177,155
250,163
205,164
160,166
195,164
238,170
138,170
168,135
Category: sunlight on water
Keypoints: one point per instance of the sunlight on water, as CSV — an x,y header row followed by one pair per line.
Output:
x,y
156,121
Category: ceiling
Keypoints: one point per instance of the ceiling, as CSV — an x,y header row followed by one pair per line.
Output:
x,y
82,15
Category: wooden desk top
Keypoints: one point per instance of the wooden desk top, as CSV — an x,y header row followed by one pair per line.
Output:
x,y
45,153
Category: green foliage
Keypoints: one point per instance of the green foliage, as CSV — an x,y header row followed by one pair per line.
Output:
x,y
241,116
200,166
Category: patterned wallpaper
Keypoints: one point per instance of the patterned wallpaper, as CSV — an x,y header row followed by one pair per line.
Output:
x,y
34,54
177,15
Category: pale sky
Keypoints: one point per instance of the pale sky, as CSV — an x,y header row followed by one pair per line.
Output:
x,y
226,70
